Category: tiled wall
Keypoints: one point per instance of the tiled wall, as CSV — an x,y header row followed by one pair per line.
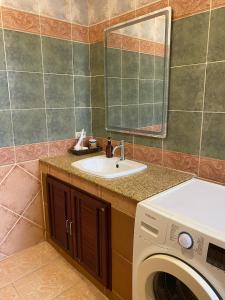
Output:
x,y
44,98
134,78
196,119
46,85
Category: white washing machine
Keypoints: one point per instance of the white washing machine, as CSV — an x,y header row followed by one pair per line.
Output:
x,y
179,244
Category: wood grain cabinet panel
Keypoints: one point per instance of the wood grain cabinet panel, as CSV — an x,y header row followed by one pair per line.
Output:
x,y
81,225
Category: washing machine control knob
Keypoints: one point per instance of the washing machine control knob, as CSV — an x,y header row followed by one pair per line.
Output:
x,y
185,240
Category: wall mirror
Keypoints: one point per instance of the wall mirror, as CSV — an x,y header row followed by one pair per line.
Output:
x,y
137,56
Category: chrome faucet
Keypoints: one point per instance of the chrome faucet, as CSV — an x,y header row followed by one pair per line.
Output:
x,y
121,146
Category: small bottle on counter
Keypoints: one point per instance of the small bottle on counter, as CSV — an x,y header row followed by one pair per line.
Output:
x,y
109,148
92,143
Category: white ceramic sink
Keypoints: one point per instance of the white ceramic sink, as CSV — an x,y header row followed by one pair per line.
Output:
x,y
106,167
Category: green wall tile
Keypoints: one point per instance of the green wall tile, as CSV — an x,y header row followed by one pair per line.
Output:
x,y
145,115
6,135
146,91
98,91
114,86
215,87
213,136
148,141
61,124
97,59
158,113
2,54
129,91
130,116
82,87
29,126
159,67
130,64
189,40
81,61
118,136
4,93
183,132
83,120
158,91
57,56
187,88
23,51
98,122
114,116
147,66
59,91
113,57
26,90
216,36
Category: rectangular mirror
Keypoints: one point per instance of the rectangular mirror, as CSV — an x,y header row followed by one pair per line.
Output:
x,y
137,56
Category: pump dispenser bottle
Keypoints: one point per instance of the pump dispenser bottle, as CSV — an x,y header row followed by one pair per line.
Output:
x,y
109,148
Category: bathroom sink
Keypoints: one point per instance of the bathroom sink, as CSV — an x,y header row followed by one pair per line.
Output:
x,y
107,167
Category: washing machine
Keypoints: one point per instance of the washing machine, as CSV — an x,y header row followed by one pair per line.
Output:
x,y
179,244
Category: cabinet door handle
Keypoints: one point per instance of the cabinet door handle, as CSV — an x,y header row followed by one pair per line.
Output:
x,y
71,228
67,226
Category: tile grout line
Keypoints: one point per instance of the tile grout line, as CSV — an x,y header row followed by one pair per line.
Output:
x,y
8,87
43,78
32,175
204,90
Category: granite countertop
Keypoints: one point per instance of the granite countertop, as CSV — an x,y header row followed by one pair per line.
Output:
x,y
137,187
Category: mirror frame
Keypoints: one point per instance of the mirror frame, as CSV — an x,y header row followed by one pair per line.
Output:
x,y
167,12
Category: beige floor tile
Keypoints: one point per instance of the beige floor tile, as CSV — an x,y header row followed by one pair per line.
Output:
x,y
9,293
84,290
25,262
49,281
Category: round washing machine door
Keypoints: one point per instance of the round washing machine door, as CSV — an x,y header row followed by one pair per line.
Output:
x,y
163,277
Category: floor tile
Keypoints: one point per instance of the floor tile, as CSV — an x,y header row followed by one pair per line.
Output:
x,y
49,281
9,293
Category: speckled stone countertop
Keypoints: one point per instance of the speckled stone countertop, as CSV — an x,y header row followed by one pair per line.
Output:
x,y
137,187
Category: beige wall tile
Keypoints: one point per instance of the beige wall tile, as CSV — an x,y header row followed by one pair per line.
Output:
x,y
34,211
140,3
118,7
22,236
79,11
18,189
26,5
98,11
58,9
7,220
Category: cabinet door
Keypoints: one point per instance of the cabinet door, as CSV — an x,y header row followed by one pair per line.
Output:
x,y
59,212
93,219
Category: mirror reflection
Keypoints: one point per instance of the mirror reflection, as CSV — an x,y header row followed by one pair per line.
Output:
x,y
137,58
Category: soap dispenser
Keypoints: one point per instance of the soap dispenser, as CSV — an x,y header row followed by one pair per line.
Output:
x,y
109,148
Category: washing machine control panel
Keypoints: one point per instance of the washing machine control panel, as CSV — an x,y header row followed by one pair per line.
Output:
x,y
184,238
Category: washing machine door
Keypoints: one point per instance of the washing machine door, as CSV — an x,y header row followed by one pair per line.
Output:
x,y
163,277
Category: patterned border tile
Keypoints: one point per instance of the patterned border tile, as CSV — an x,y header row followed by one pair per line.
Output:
x,y
212,169
55,28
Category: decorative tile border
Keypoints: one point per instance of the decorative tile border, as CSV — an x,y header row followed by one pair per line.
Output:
x,y
148,154
181,161
7,156
55,28
212,169
22,21
218,3
185,8
27,22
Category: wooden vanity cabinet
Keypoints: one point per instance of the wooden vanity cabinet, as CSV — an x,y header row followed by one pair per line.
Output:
x,y
60,217
81,225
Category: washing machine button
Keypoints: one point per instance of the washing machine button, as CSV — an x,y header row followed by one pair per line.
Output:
x,y
185,240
